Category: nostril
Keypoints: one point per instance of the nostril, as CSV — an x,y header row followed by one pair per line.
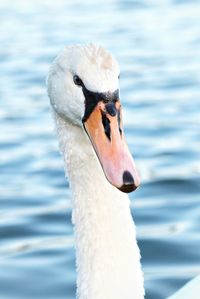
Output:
x,y
106,125
119,122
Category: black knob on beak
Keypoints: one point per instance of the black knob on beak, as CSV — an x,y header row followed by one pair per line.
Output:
x,y
110,108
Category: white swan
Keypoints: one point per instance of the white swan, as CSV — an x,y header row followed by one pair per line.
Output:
x,y
83,89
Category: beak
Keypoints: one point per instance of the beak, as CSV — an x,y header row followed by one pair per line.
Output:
x,y
104,128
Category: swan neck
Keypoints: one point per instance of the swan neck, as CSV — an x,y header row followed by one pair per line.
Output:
x,y
107,254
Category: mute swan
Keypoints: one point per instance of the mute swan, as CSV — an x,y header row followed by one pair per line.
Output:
x,y
83,87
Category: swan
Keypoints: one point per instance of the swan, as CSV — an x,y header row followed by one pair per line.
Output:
x,y
83,88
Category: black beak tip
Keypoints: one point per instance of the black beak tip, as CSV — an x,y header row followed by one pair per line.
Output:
x,y
128,183
128,188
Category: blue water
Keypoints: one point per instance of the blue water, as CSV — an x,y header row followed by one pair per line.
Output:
x,y
157,43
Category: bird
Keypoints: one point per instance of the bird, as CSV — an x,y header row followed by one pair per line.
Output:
x,y
84,93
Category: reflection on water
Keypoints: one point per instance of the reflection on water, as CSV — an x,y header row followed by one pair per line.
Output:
x,y
157,44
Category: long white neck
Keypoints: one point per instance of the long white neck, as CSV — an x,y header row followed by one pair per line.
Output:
x,y
107,255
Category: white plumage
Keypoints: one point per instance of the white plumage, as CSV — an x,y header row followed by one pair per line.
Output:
x,y
107,255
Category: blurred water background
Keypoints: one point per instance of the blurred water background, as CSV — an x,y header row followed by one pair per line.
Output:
x,y
157,43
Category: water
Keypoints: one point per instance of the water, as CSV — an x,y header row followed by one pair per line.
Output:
x,y
157,44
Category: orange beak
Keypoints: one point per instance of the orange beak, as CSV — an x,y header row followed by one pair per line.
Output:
x,y
104,128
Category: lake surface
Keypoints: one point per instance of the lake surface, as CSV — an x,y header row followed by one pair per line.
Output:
x,y
157,44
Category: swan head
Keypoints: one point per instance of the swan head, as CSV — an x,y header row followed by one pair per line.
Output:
x,y
83,87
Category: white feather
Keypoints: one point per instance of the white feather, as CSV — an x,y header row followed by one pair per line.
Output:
x,y
108,259
107,254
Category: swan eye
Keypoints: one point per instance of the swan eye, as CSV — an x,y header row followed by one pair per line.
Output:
x,y
77,80
119,76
